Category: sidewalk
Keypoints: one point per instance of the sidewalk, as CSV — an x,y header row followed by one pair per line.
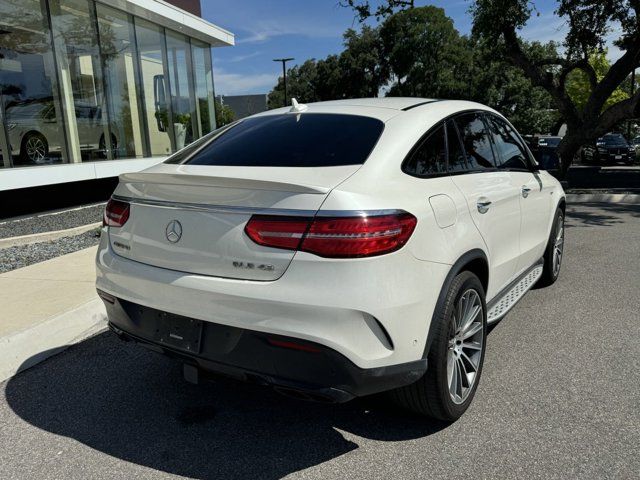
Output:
x,y
46,307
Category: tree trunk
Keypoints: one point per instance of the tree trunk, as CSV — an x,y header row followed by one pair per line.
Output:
x,y
567,150
566,158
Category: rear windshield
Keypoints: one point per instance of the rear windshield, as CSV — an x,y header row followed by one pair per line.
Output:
x,y
293,140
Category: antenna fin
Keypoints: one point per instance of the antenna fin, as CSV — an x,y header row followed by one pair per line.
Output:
x,y
297,107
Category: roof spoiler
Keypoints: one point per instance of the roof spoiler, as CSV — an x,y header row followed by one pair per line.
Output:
x,y
222,182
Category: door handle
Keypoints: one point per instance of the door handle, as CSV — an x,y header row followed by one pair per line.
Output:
x,y
525,191
483,205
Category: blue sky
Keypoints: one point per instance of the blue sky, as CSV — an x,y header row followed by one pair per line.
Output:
x,y
267,29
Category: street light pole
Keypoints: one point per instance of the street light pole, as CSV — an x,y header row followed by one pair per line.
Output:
x,y
284,76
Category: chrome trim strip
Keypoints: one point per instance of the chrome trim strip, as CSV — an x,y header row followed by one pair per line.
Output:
x,y
358,213
203,207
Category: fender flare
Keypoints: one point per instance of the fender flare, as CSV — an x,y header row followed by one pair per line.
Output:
x,y
456,268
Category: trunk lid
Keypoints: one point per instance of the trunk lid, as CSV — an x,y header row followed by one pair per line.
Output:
x,y
191,218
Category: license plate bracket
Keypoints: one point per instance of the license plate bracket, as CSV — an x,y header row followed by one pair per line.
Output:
x,y
618,157
179,332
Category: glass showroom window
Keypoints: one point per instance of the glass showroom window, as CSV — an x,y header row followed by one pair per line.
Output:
x,y
150,40
32,132
75,38
116,37
180,82
203,76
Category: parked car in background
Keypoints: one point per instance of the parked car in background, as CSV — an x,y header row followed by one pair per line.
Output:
x,y
336,249
35,131
609,149
547,152
544,149
549,141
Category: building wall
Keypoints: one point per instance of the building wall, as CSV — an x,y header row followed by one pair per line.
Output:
x,y
143,85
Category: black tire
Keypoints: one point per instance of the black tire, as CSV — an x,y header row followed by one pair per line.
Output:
x,y
430,395
27,153
549,274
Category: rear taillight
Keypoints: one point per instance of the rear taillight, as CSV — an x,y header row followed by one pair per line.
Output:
x,y
278,232
334,237
116,213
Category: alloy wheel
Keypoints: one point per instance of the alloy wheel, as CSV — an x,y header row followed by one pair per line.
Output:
x,y
558,246
466,342
36,149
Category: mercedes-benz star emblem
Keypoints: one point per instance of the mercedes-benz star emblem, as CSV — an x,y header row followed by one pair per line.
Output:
x,y
174,231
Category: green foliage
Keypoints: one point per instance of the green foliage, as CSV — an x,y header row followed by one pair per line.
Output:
x,y
495,82
183,118
356,72
585,91
579,88
364,10
224,114
425,53
418,52
203,106
491,17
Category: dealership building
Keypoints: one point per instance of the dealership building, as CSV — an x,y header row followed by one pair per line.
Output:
x,y
94,88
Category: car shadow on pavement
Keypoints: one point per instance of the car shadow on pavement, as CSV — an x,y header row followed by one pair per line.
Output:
x,y
591,214
132,404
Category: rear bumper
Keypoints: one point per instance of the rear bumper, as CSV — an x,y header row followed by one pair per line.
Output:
x,y
375,312
308,370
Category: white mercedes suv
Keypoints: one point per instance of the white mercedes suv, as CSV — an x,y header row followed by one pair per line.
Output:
x,y
336,249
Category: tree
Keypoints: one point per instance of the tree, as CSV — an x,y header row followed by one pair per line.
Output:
x,y
579,87
301,84
425,54
361,70
590,23
356,72
495,82
363,7
418,52
224,114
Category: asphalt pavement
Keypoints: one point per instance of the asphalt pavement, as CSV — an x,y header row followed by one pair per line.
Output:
x,y
559,398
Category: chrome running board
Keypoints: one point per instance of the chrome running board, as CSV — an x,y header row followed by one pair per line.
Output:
x,y
505,301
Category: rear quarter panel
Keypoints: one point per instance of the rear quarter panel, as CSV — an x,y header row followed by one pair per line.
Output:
x,y
381,184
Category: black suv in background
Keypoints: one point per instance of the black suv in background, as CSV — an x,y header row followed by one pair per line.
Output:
x,y
610,149
545,150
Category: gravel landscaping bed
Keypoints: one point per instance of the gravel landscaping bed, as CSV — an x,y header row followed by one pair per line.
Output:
x,y
50,222
23,255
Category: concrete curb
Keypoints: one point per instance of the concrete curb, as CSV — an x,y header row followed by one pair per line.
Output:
x,y
46,236
24,349
603,197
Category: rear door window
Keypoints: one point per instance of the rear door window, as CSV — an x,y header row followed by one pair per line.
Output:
x,y
476,142
430,156
293,140
509,148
